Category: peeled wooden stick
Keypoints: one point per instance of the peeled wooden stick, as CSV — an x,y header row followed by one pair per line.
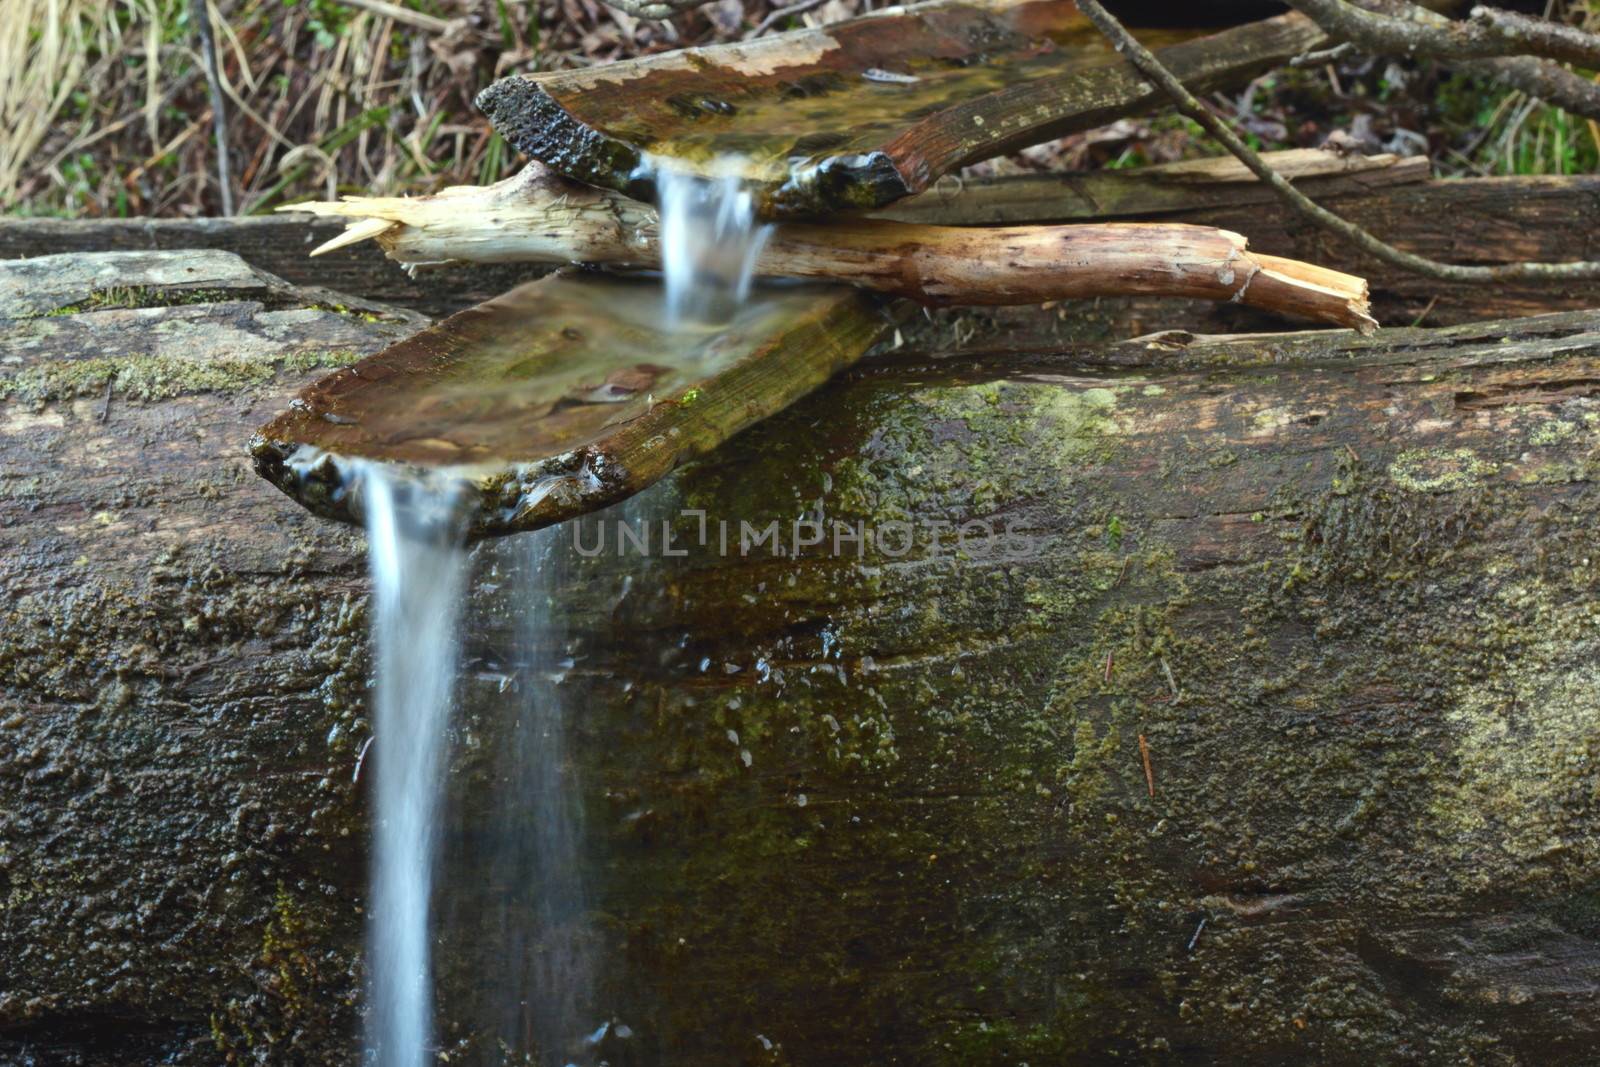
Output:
x,y
537,216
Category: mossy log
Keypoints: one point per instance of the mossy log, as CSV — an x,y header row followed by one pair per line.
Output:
x,y
859,114
896,808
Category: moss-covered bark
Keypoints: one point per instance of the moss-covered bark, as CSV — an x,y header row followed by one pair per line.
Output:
x,y
895,809
880,810
182,672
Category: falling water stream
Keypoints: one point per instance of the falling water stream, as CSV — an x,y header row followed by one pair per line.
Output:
x,y
710,242
542,966
419,571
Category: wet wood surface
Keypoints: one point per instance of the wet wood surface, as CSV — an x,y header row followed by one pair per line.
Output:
x,y
1340,592
1189,186
562,396
862,113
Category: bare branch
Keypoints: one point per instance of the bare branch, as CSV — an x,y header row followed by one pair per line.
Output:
x,y
1489,34
1496,45
200,11
1159,75
1539,37
1550,82
538,216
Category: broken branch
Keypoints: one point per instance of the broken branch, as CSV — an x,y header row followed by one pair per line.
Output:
x,y
537,216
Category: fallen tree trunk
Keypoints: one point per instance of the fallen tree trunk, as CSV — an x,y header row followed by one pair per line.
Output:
x,y
539,216
1274,746
859,114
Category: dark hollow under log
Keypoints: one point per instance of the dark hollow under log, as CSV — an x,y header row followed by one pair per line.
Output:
x,y
890,808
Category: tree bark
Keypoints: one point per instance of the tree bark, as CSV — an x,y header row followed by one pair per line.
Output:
x,y
1341,591
182,671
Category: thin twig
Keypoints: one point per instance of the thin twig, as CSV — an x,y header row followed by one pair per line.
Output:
x,y
778,14
361,757
1153,70
1418,320
1402,28
1149,774
1323,55
219,119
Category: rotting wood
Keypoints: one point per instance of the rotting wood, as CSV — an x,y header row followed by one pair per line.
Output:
x,y
560,397
177,650
1145,192
804,118
539,215
1399,856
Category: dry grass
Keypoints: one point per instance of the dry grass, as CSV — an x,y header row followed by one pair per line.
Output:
x,y
45,48
106,111
110,114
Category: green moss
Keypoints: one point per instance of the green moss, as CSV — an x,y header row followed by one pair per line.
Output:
x,y
152,377
1552,432
1439,470
136,296
981,1043
290,1002
957,444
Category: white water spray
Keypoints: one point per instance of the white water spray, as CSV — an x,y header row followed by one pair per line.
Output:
x,y
544,957
419,571
710,242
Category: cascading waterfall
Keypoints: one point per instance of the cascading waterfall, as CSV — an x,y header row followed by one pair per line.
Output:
x,y
709,243
419,571
543,953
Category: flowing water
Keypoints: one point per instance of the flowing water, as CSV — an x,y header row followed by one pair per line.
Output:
x,y
542,964
537,942
710,242
419,571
